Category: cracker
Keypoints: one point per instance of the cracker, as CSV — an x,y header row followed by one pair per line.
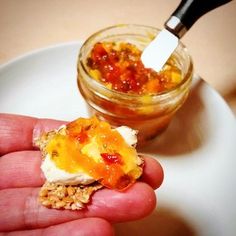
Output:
x,y
43,139
58,196
70,197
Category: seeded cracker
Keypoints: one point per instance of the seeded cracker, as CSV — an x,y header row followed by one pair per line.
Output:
x,y
84,156
69,197
58,196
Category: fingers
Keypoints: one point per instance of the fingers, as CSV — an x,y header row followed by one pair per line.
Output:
x,y
17,131
14,132
153,173
22,169
88,226
20,208
135,203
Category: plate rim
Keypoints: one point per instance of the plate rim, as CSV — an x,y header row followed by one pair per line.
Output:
x,y
38,50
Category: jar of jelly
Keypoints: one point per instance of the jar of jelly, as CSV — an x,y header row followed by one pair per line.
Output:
x,y
117,87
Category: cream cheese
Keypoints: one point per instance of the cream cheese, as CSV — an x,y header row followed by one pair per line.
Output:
x,y
54,174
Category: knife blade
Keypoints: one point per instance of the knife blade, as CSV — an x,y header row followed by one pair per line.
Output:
x,y
186,14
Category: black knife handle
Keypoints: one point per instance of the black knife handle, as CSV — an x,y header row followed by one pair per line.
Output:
x,y
189,11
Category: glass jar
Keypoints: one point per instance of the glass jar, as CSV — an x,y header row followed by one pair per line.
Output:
x,y
150,115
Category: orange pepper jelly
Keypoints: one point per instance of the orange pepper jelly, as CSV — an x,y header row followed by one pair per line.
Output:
x,y
119,67
119,89
92,147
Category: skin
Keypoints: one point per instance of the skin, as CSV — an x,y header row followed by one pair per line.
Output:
x,y
21,179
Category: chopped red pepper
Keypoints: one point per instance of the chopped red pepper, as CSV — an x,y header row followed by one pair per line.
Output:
x,y
112,158
82,137
121,68
99,53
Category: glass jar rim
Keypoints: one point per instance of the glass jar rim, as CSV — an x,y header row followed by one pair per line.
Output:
x,y
187,77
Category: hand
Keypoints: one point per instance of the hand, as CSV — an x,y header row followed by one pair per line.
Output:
x,y
21,178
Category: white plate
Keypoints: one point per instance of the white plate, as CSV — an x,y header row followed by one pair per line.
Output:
x,y
197,151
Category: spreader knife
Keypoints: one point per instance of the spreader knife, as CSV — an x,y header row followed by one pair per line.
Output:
x,y
186,14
